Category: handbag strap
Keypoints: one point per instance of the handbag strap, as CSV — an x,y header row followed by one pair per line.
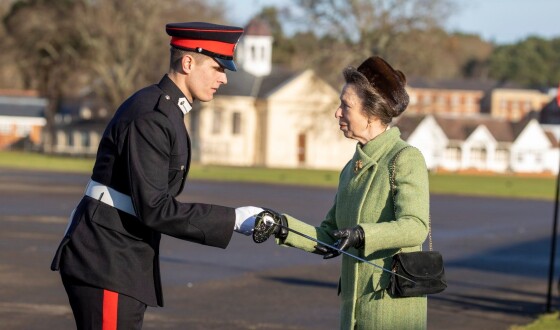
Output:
x,y
394,187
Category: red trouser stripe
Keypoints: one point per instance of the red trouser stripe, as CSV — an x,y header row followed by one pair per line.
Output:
x,y
110,305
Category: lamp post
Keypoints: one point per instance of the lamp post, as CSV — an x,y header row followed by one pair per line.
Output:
x,y
554,228
553,248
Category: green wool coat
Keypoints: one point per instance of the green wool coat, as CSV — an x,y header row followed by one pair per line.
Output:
x,y
364,198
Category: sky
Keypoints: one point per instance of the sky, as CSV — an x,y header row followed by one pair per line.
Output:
x,y
499,21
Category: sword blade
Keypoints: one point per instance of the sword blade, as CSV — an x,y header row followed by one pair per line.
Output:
x,y
342,251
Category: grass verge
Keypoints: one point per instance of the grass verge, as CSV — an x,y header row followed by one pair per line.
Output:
x,y
507,186
544,322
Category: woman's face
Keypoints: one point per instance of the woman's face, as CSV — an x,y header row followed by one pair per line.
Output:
x,y
351,118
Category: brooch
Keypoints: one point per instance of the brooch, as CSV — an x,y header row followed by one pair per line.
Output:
x,y
358,166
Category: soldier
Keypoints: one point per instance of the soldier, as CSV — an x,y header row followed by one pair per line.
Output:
x,y
109,256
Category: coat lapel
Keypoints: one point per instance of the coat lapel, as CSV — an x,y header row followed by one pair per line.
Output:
x,y
357,178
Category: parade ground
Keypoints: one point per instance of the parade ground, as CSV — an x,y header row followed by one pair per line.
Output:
x,y
496,254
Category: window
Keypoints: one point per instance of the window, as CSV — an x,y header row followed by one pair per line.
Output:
x,y
236,123
23,131
538,157
5,128
503,104
253,53
217,122
502,155
70,139
60,138
453,153
478,155
455,100
86,141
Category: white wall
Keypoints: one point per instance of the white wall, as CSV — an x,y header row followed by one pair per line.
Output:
x,y
306,106
529,151
224,147
430,139
478,150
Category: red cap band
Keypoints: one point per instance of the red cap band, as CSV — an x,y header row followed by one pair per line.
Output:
x,y
222,48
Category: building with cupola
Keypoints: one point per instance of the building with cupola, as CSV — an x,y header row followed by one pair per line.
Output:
x,y
269,116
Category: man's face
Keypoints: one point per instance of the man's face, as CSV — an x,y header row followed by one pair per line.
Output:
x,y
206,77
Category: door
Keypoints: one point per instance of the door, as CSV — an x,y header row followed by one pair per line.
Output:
x,y
301,150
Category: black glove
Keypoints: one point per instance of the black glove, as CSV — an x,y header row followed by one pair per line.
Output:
x,y
325,250
264,227
347,238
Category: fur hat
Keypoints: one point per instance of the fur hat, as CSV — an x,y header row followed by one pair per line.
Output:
x,y
387,81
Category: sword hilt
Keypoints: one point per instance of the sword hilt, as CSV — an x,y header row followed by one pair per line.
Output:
x,y
264,226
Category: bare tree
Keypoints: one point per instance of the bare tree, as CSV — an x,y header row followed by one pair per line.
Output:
x,y
127,41
9,75
361,28
46,49
109,47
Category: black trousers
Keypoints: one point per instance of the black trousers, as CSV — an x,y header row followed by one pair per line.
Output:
x,y
99,309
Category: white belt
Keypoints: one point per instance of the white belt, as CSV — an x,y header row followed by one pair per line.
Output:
x,y
109,196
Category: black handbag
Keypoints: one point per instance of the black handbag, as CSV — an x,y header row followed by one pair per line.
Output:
x,y
425,268
421,272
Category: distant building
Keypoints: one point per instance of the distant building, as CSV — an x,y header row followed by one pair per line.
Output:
x,y
78,126
481,143
273,117
268,116
514,104
461,97
474,97
22,119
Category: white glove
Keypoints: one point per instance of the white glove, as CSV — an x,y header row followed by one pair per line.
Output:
x,y
245,219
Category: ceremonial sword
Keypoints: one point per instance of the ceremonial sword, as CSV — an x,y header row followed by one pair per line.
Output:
x,y
267,222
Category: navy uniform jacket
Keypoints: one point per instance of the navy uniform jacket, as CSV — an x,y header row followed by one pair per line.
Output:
x,y
144,153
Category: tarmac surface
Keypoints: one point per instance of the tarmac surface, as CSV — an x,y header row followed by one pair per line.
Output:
x,y
496,254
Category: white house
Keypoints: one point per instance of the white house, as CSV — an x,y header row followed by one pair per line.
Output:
x,y
481,143
533,150
425,134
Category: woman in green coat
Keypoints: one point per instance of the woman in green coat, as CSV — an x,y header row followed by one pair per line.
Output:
x,y
367,220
